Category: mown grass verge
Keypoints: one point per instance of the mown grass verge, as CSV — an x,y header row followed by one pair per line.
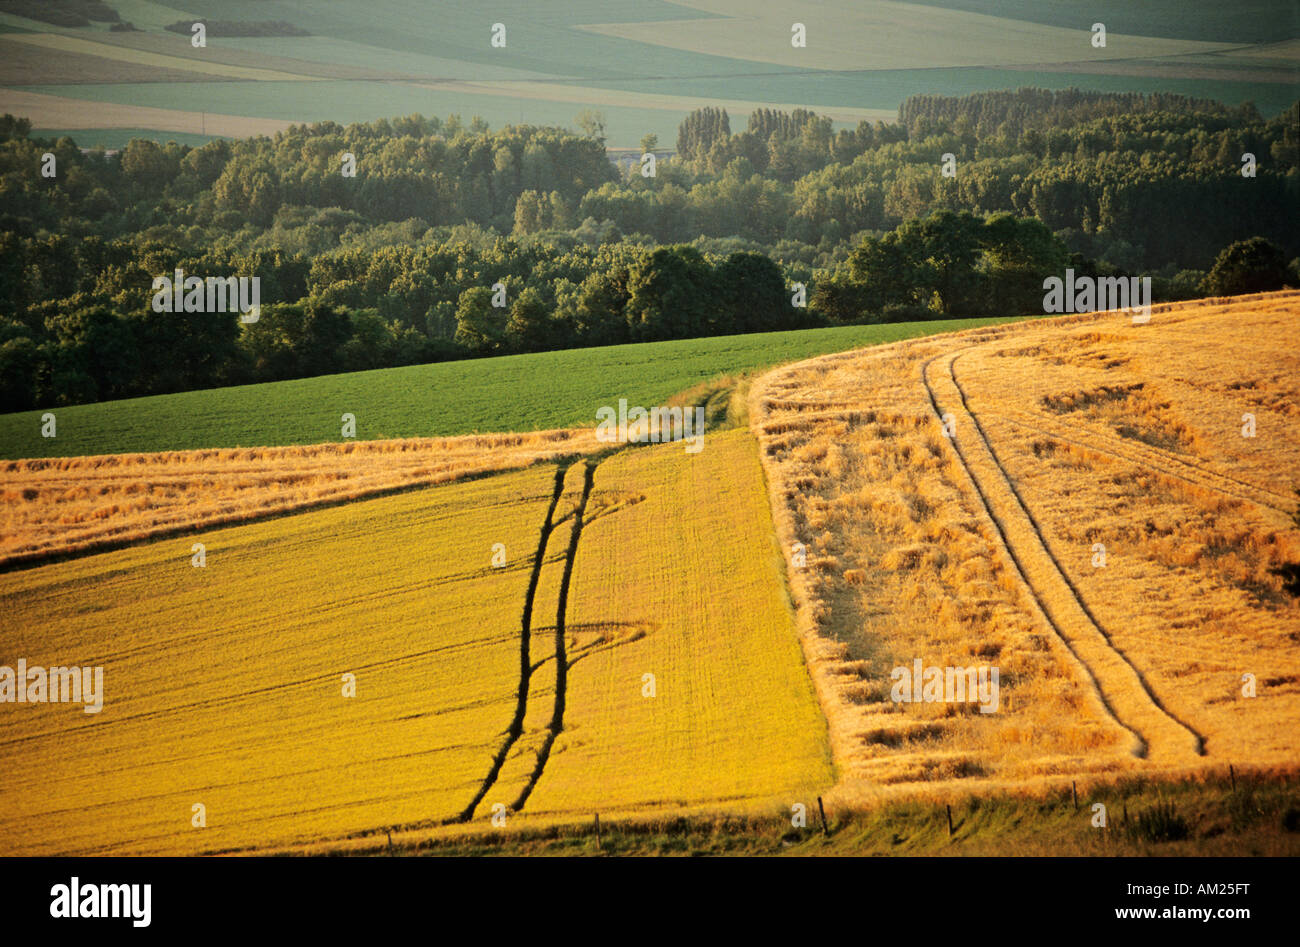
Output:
x,y
1145,817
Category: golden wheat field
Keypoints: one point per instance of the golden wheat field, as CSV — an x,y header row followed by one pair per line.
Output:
x,y
224,685
678,576
1091,506
1078,501
54,507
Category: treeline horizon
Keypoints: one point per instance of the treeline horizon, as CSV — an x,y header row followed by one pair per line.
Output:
x,y
402,263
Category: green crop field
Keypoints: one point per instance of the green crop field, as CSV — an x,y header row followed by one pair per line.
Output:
x,y
111,138
509,393
347,101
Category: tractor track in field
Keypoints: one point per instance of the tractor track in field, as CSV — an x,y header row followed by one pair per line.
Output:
x,y
516,728
1156,732
561,656
526,666
236,696
1158,461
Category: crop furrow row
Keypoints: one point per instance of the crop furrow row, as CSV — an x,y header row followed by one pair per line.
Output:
x,y
516,727
1119,685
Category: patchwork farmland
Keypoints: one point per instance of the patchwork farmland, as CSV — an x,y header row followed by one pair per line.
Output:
x,y
532,392
648,427
645,64
618,630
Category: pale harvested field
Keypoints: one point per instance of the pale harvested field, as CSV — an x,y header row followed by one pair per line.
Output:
x,y
584,95
882,34
219,51
1284,52
979,549
57,506
57,111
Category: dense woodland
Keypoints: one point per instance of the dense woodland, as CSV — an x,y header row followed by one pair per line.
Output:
x,y
397,264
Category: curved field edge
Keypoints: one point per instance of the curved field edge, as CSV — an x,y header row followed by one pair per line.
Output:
x,y
520,393
203,705
55,508
793,408
224,685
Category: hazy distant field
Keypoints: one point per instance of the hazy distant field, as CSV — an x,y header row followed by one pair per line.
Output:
x,y
510,393
61,44
646,64
1245,21
116,138
852,35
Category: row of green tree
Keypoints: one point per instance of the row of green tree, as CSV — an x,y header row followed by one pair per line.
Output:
x,y
96,336
397,264
958,264
99,338
439,172
1106,172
